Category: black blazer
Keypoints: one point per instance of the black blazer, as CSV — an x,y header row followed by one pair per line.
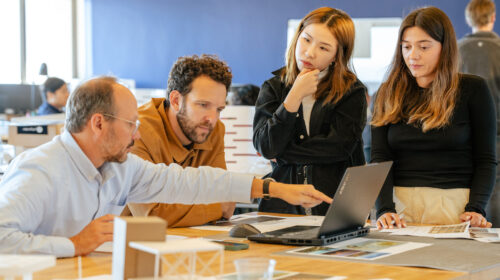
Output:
x,y
334,143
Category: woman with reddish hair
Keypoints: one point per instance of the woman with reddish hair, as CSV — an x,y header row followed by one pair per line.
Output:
x,y
439,128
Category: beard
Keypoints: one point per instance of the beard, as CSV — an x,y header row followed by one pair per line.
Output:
x,y
119,156
188,127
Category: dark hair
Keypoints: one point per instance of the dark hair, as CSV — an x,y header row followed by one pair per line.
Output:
x,y
91,97
397,98
340,76
187,68
244,95
52,84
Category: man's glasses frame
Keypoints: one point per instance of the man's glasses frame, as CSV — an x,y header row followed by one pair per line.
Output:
x,y
137,123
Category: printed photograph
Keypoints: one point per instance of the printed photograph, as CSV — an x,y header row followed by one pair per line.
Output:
x,y
342,253
448,229
374,245
373,255
317,250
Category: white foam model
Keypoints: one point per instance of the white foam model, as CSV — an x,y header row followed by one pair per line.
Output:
x,y
185,251
24,265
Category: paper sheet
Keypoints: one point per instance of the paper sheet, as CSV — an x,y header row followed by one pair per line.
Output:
x,y
361,249
263,223
462,230
488,235
444,231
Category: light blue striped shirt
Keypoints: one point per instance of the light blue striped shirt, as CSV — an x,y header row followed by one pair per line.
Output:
x,y
52,192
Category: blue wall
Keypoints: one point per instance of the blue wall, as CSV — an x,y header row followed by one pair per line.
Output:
x,y
141,39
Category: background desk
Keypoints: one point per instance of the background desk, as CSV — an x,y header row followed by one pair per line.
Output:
x,y
100,263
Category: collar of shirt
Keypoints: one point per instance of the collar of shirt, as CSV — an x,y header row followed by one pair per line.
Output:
x,y
484,34
56,110
46,109
83,163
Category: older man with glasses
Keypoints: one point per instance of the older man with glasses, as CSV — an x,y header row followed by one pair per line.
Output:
x,y
60,198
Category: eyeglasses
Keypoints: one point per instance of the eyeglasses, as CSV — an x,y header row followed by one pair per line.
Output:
x,y
137,123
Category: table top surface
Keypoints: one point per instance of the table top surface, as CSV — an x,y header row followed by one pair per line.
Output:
x,y
100,263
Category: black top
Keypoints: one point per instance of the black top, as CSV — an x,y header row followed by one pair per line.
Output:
x,y
333,144
461,155
47,109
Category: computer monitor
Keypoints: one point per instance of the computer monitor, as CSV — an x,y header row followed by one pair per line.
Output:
x,y
21,98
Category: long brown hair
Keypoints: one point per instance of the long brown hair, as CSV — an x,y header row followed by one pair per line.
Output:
x,y
398,98
340,76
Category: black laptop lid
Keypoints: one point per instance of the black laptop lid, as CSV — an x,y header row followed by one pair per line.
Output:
x,y
354,198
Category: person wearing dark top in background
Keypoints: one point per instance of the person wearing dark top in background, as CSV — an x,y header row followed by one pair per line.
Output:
x,y
56,94
480,55
310,116
244,95
439,128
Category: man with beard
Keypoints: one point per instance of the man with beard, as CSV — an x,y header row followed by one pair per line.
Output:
x,y
58,198
184,128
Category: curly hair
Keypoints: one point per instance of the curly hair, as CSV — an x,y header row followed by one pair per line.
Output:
x,y
187,68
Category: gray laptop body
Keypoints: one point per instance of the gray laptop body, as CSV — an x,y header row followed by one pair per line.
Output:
x,y
346,216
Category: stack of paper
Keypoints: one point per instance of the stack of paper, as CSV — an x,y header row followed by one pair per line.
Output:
x,y
449,231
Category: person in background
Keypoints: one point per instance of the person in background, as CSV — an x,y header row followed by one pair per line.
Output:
x,y
480,55
60,198
185,129
439,128
244,95
310,116
56,94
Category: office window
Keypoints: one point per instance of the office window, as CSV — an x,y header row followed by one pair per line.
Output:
x,y
49,38
10,36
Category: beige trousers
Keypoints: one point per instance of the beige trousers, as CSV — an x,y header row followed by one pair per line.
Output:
x,y
426,205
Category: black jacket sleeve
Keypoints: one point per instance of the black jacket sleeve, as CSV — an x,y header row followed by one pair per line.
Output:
x,y
382,152
483,125
273,125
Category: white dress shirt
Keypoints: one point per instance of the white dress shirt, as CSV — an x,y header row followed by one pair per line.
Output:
x,y
52,192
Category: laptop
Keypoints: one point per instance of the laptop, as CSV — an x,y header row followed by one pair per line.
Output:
x,y
346,216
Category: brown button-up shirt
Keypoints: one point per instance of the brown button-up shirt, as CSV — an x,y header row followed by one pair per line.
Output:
x,y
159,144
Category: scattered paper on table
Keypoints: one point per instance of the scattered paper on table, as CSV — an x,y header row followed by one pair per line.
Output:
x,y
443,231
263,223
488,235
360,248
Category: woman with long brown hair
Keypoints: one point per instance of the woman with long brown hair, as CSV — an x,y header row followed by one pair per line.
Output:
x,y
309,117
437,125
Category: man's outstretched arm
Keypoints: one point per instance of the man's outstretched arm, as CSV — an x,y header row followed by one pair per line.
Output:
x,y
303,195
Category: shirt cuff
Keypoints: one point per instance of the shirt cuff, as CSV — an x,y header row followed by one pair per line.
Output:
x,y
241,187
285,116
63,247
